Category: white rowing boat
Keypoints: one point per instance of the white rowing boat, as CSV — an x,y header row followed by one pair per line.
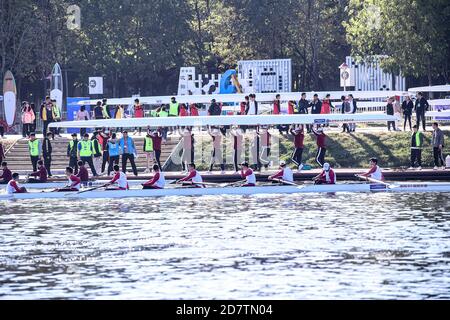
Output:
x,y
227,120
139,193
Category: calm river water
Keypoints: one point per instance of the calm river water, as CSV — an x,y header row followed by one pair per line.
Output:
x,y
345,246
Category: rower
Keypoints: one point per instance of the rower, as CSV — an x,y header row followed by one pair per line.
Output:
x,y
375,171
41,174
248,174
193,176
327,176
120,179
157,182
74,182
6,175
285,173
13,185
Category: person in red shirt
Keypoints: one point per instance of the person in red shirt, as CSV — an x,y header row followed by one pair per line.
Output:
x,y
157,138
2,151
41,175
157,182
326,105
277,105
193,110
183,111
83,173
248,174
74,182
120,179
244,105
6,174
193,177
321,144
291,107
327,176
299,137
138,113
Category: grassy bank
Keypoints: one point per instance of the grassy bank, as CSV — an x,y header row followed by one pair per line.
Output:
x,y
345,150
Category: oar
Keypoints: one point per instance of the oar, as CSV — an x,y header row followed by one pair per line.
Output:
x,y
285,182
389,185
234,184
88,190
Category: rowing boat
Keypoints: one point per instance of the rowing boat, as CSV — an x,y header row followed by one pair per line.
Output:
x,y
227,120
139,193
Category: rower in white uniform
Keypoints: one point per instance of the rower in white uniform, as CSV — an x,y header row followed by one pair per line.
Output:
x,y
285,174
119,182
375,171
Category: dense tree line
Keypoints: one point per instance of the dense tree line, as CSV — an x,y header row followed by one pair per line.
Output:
x,y
138,46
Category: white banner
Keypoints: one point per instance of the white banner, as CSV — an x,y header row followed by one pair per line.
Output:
x,y
95,85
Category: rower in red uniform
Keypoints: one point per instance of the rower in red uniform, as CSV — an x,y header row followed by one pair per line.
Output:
x,y
285,173
248,175
157,182
194,177
13,185
74,182
120,179
41,175
6,175
327,176
375,171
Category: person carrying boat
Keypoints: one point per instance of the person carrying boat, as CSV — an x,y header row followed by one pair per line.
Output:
x,y
238,137
327,176
41,175
74,183
375,171
85,152
186,156
157,137
35,149
157,182
6,175
13,185
285,173
120,179
264,139
321,145
83,173
216,154
248,174
194,177
72,152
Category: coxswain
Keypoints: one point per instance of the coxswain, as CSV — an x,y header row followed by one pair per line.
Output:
x,y
119,179
194,177
40,176
157,182
13,185
375,171
327,176
248,174
285,173
6,175
74,182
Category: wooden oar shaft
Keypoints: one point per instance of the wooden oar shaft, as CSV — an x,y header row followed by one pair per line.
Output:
x,y
285,182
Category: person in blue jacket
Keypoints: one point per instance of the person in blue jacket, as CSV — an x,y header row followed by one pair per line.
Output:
x,y
114,153
129,152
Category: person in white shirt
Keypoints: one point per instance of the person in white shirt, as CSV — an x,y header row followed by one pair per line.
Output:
x,y
252,107
285,174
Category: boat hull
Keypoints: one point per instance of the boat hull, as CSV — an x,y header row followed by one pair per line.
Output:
x,y
139,193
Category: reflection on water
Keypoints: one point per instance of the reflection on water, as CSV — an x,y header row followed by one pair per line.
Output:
x,y
345,246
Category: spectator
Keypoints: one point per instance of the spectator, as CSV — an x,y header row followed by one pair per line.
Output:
x,y
28,119
103,138
291,107
416,148
97,151
2,131
327,105
138,113
174,107
354,107
214,109
129,152
345,108
183,111
438,146
303,109
85,152
315,105
277,105
33,108
252,107
56,117
397,112
390,112
72,150
46,113
35,149
193,110
47,150
407,107
244,105
98,111
82,115
421,107
107,112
